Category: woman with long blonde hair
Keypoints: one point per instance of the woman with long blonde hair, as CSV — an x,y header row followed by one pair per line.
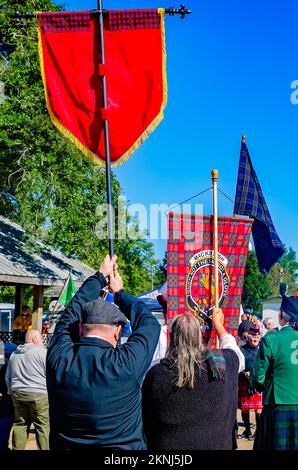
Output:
x,y
190,397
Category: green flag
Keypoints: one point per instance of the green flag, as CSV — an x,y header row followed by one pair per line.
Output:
x,y
64,298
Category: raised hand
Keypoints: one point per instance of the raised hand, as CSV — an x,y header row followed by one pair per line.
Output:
x,y
217,317
108,265
116,282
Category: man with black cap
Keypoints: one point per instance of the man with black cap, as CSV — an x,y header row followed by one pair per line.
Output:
x,y
275,372
94,384
243,332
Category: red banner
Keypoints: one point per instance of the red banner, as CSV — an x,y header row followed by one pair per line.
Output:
x,y
190,266
135,69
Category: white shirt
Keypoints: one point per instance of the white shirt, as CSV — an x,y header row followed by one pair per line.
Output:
x,y
161,347
227,341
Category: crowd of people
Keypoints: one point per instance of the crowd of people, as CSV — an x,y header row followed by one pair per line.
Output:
x,y
90,389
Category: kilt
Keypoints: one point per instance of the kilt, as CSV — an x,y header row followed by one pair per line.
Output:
x,y
246,401
278,428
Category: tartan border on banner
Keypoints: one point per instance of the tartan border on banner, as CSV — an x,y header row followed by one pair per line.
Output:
x,y
63,22
190,234
133,19
137,79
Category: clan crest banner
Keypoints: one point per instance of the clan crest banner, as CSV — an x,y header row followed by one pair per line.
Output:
x,y
190,266
135,70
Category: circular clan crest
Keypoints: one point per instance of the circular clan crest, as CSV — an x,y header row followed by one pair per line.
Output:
x,y
200,288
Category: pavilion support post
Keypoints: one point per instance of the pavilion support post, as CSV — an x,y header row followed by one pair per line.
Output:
x,y
19,299
37,308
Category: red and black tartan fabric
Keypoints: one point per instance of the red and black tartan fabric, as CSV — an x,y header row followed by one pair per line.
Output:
x,y
189,262
133,19
60,22
246,401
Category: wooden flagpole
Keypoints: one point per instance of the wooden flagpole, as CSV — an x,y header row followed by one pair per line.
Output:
x,y
215,239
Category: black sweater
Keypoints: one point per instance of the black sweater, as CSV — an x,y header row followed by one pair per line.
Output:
x,y
202,418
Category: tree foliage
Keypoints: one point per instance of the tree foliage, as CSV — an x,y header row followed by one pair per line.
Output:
x,y
161,272
46,184
284,271
257,287
7,294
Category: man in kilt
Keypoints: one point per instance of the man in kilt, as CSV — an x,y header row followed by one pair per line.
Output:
x,y
248,397
275,372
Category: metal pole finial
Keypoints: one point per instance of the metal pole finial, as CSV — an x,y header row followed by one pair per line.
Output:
x,y
214,174
182,11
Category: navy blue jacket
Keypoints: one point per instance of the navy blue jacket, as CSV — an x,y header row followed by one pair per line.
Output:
x,y
95,389
250,355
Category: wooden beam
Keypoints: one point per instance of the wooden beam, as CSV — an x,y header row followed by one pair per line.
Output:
x,y
19,299
37,308
31,281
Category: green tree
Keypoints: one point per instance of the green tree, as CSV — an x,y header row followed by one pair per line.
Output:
x,y
7,294
46,184
284,271
290,263
256,287
161,272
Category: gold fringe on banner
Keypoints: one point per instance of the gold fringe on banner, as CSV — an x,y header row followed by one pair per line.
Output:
x,y
152,126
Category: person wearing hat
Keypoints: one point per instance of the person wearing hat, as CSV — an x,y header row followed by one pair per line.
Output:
x,y
243,331
275,372
94,383
249,398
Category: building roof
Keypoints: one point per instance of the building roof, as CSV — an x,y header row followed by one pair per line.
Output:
x,y
48,267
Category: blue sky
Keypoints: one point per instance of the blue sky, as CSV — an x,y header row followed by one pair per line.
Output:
x,y
230,66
